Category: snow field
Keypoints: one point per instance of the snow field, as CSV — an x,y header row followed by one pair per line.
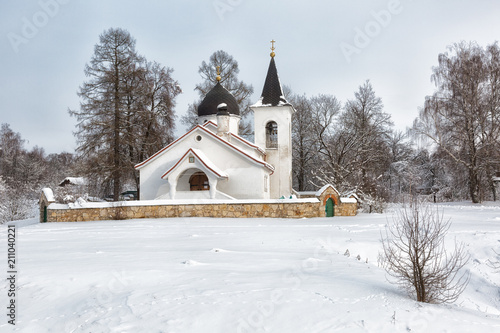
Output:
x,y
239,275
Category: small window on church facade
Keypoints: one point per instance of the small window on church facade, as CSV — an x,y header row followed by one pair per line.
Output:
x,y
272,135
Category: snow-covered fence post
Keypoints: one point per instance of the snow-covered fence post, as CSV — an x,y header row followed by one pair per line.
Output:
x,y
46,198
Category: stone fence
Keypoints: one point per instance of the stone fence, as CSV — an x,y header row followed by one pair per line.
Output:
x,y
88,211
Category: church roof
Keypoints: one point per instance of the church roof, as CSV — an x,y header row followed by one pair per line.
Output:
x,y
205,163
213,127
272,94
217,139
216,96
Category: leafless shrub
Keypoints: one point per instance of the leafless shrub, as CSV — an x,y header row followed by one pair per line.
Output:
x,y
496,263
415,257
373,204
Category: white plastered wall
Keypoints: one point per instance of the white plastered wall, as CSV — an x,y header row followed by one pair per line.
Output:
x,y
281,157
246,179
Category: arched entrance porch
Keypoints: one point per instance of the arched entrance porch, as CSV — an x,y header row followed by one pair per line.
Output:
x,y
193,183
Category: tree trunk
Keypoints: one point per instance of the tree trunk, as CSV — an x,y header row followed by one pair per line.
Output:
x,y
474,185
116,143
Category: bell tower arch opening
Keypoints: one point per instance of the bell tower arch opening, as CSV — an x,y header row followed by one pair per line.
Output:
x,y
272,134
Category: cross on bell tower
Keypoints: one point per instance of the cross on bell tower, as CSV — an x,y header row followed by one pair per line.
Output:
x,y
273,128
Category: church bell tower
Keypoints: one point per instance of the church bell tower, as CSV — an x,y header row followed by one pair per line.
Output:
x,y
273,131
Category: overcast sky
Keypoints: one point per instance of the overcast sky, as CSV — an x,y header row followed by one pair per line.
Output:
x,y
322,47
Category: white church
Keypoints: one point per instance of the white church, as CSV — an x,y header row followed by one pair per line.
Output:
x,y
211,161
211,171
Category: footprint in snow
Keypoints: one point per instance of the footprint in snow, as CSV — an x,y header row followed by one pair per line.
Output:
x,y
192,263
218,250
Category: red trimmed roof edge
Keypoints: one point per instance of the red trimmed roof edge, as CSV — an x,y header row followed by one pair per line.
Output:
x,y
152,157
199,158
248,143
165,148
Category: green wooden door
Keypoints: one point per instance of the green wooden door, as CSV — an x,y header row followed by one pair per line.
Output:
x,y
44,213
329,208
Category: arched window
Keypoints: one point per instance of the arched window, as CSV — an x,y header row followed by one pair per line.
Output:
x,y
272,135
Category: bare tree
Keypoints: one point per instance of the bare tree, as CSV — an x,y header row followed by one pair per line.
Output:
x,y
370,128
101,118
150,114
12,151
15,203
495,263
127,111
415,256
305,146
463,116
229,79
354,143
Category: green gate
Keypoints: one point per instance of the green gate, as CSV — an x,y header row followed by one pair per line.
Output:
x,y
330,208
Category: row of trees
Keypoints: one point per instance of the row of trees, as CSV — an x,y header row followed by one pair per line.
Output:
x,y
23,173
353,145
462,116
127,114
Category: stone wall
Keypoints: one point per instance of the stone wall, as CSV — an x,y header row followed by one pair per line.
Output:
x,y
56,213
293,208
346,209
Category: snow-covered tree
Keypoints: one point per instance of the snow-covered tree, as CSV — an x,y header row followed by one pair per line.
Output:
x,y
355,144
463,116
15,203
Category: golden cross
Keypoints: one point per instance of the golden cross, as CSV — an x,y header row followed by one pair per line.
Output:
x,y
272,43
218,78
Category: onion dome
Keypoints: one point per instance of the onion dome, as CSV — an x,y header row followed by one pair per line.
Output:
x,y
218,95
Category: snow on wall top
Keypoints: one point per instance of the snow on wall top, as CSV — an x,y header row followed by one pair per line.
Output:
x,y
49,195
323,189
84,204
348,200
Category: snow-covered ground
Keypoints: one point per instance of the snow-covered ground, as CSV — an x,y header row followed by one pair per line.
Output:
x,y
238,275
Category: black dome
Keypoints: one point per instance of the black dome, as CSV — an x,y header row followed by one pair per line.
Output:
x,y
216,96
